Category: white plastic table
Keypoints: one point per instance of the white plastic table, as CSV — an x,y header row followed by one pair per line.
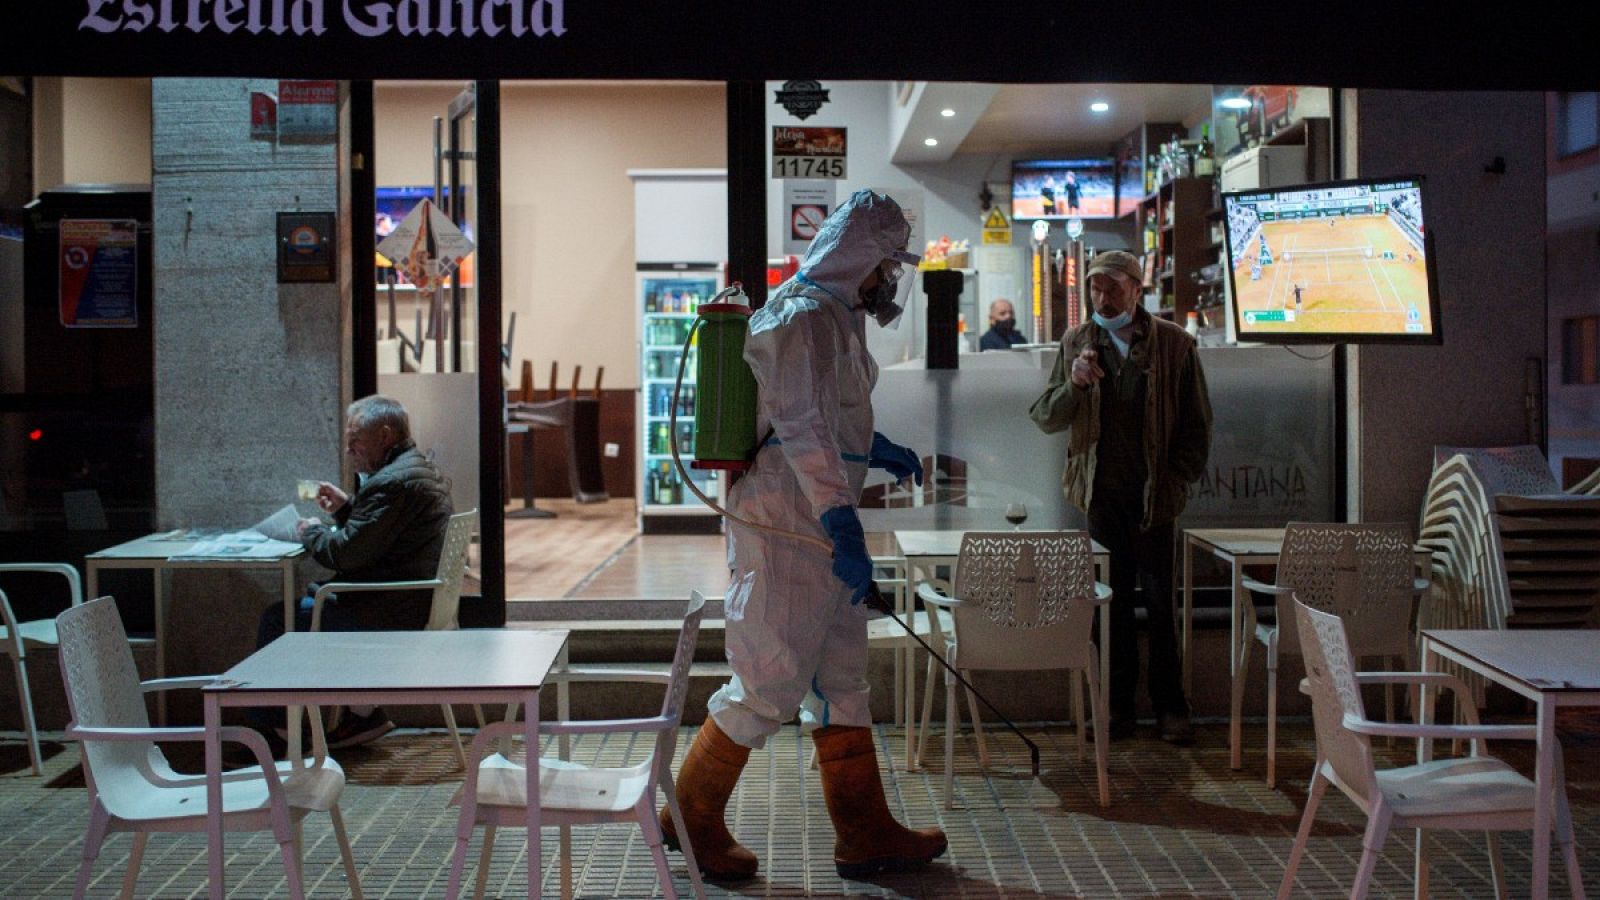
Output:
x,y
165,550
356,668
1551,668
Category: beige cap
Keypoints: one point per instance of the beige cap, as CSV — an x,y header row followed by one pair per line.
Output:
x,y
1116,261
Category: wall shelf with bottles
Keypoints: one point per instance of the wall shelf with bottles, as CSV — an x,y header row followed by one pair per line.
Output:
x,y
1175,220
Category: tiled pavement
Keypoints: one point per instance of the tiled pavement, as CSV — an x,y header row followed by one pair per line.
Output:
x,y
1180,825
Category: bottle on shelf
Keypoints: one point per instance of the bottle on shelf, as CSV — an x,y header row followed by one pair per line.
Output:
x,y
1205,163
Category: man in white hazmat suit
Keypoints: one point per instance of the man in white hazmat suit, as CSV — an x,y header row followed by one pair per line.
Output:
x,y
796,634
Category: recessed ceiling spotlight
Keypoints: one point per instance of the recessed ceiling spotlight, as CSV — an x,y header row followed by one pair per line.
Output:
x,y
1100,106
947,112
1235,103
931,142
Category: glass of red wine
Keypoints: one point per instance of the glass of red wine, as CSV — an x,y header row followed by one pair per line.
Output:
x,y
1016,514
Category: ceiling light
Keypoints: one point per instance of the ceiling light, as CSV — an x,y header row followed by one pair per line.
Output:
x,y
1236,103
931,142
1100,106
947,113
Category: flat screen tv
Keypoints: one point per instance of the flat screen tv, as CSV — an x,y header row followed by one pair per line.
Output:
x,y
1341,262
1068,188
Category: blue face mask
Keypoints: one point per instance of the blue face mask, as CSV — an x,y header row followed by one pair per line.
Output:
x,y
1115,324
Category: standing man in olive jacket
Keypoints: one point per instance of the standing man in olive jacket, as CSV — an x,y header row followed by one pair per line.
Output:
x,y
391,529
1129,391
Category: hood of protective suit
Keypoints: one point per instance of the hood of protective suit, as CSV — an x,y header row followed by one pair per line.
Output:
x,y
863,232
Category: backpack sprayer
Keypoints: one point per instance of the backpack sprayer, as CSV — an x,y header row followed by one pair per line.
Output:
x,y
725,439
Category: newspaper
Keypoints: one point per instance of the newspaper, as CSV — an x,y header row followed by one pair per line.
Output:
x,y
271,538
280,526
239,545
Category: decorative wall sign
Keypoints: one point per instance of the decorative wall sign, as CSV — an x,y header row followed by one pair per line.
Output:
x,y
808,152
306,247
802,98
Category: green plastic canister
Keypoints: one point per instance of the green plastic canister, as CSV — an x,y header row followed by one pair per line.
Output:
x,y
725,402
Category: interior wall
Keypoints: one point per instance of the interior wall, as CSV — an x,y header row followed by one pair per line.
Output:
x,y
105,130
567,202
1488,233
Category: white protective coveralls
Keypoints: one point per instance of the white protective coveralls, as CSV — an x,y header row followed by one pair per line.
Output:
x,y
793,638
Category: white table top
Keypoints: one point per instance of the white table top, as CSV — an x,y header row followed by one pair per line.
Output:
x,y
1240,541
1543,660
478,658
948,543
165,545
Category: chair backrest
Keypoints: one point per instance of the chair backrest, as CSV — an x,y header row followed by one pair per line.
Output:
x,y
1360,573
445,612
1027,600
678,687
1330,670
103,691
1505,470
1470,589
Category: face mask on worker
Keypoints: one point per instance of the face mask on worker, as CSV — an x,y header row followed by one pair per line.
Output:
x,y
880,301
1004,326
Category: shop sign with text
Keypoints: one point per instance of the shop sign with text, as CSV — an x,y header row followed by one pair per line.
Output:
x,y
808,152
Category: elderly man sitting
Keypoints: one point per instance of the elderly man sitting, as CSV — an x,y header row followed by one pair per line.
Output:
x,y
391,529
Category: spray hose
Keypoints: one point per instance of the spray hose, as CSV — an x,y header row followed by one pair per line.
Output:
x,y
875,598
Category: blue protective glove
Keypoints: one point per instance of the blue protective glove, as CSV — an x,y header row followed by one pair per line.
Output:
x,y
900,461
851,564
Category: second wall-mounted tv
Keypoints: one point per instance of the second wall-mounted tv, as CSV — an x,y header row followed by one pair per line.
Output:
x,y
1342,262
1069,188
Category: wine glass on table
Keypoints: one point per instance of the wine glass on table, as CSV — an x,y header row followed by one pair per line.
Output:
x,y
1016,514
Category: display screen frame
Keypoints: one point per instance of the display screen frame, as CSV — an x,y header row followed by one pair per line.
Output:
x,y
1124,193
1251,333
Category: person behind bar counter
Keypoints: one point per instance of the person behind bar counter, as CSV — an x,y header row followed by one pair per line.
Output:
x,y
1002,331
391,529
1128,390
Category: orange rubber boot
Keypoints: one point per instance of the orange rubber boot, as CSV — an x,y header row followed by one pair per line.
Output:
x,y
706,780
867,839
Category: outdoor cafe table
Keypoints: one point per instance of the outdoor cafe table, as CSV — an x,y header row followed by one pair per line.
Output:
x,y
1237,548
172,550
420,668
1551,668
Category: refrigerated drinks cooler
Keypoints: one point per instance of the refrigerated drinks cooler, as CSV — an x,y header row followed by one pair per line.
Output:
x,y
680,231
670,301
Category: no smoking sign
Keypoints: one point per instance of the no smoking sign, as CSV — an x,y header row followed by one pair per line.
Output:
x,y
805,219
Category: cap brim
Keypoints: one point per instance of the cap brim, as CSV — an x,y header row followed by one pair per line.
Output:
x,y
906,257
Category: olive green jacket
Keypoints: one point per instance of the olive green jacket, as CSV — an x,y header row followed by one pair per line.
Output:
x,y
1177,419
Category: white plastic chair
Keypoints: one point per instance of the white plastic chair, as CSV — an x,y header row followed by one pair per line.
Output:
x,y
1361,573
16,637
132,787
1024,601
444,615
496,790
1472,792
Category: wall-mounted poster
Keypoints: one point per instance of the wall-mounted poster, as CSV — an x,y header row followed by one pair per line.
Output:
x,y
99,273
305,247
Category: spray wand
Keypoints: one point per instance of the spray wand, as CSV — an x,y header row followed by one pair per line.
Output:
x,y
875,599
